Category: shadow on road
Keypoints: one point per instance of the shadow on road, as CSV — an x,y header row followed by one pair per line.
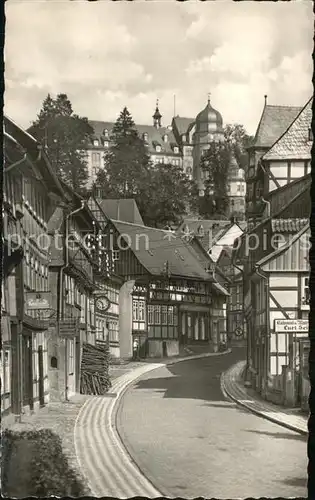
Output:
x,y
192,379
280,435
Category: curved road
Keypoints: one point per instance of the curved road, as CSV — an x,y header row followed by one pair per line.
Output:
x,y
190,441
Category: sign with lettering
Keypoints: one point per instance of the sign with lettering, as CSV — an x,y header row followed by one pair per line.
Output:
x,y
291,325
38,300
68,327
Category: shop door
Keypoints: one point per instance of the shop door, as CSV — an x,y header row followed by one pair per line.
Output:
x,y
27,371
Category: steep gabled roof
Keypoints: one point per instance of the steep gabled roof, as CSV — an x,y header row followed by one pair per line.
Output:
x,y
273,123
125,210
155,247
294,143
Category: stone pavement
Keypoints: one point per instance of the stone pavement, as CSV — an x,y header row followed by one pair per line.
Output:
x,y
232,385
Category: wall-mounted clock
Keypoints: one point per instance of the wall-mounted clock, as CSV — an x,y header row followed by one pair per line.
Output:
x,y
102,304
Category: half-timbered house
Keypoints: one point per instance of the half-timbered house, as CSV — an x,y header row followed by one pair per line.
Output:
x,y
169,296
274,257
30,192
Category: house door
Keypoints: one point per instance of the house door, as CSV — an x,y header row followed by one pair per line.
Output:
x,y
27,370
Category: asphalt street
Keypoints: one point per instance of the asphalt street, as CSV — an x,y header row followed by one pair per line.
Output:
x,y
190,441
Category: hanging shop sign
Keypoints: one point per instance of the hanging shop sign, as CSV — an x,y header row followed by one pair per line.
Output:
x,y
291,326
68,327
38,300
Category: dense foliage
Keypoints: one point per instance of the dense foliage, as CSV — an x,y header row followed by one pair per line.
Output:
x,y
64,135
34,465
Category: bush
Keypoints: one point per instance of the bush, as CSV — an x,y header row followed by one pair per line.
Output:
x,y
33,464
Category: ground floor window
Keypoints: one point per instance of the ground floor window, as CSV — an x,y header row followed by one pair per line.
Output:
x,y
162,321
138,313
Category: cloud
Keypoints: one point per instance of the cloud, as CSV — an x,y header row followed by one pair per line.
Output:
x,y
105,55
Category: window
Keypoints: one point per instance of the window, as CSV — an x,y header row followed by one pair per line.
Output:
x,y
165,137
106,144
157,315
164,315
95,143
115,255
158,148
176,150
35,354
310,135
138,307
94,170
105,132
96,159
145,137
305,292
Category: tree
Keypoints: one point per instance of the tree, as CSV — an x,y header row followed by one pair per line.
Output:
x,y
64,135
161,191
126,163
239,140
167,196
215,163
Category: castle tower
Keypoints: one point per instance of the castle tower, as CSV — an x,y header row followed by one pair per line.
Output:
x,y
157,116
208,128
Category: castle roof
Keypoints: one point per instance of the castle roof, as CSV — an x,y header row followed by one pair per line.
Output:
x,y
207,116
155,136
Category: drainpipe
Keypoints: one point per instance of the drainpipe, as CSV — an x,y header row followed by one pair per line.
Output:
x,y
61,273
266,367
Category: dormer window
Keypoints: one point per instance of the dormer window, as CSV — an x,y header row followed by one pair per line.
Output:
x,y
106,144
145,137
158,148
310,135
95,142
176,150
105,132
165,137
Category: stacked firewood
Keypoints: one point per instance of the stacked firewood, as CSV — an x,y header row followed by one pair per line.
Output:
x,y
95,369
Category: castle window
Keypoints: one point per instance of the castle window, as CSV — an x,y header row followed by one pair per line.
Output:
x,y
96,159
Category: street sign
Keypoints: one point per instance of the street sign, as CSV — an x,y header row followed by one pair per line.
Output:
x,y
38,300
68,327
291,325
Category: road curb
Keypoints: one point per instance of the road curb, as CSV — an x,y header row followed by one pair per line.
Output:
x,y
258,412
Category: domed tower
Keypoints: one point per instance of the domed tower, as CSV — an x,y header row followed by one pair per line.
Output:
x,y
208,129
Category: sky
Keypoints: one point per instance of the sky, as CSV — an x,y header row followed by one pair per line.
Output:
x,y
106,55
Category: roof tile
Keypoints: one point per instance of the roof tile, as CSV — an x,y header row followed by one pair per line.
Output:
x,y
288,225
294,142
273,123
